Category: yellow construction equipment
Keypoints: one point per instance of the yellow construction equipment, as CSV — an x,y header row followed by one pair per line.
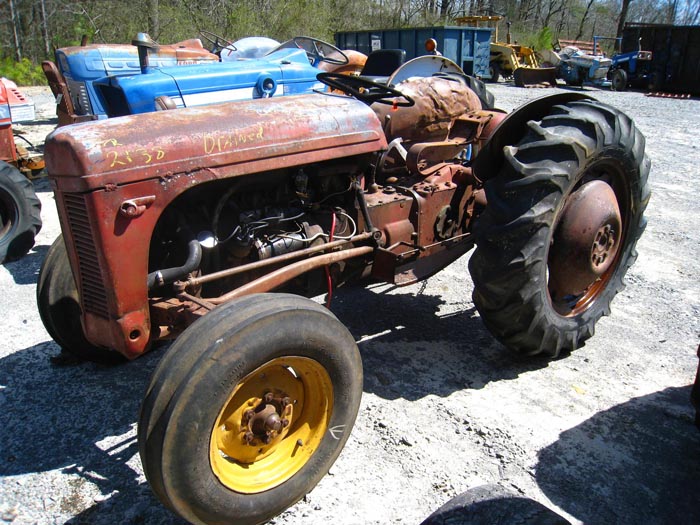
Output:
x,y
511,60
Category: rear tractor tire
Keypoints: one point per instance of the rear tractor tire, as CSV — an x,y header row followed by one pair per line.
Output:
x,y
249,409
560,228
20,213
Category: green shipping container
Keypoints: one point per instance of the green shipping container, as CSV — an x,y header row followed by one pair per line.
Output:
x,y
467,46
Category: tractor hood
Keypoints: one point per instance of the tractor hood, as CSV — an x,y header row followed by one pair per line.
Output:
x,y
283,72
209,142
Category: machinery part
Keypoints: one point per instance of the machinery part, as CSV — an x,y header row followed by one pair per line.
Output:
x,y
618,79
535,76
320,51
365,90
575,184
425,66
59,307
269,387
490,159
494,71
218,43
20,213
493,505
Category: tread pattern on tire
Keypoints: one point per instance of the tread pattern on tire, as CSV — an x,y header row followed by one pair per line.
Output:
x,y
20,238
509,265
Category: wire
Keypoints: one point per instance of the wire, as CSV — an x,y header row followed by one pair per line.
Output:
x,y
329,279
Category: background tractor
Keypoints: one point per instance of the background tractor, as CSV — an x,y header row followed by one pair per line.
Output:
x,y
211,226
20,208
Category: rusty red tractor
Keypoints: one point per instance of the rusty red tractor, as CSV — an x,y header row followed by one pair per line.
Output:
x,y
20,208
211,226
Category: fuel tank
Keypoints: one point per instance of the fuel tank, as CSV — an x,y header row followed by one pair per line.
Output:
x,y
438,101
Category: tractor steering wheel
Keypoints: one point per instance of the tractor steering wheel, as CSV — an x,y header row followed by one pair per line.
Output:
x,y
320,51
365,90
219,43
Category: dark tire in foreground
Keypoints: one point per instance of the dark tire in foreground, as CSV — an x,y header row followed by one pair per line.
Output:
x,y
20,213
249,408
560,228
59,308
493,505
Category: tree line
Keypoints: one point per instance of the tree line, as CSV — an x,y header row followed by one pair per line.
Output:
x,y
31,30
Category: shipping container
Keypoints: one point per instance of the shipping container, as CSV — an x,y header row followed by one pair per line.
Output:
x,y
675,54
467,46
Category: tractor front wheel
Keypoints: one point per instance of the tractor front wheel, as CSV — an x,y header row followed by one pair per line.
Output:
x,y
249,409
59,308
560,228
619,80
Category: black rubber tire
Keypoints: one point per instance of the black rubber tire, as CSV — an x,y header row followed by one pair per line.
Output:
x,y
493,505
194,379
618,80
59,308
20,213
494,72
509,265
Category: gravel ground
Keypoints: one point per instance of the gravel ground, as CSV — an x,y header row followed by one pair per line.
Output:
x,y
604,435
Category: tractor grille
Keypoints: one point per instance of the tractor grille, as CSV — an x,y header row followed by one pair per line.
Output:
x,y
93,295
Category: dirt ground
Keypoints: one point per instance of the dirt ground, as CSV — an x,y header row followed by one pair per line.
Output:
x,y
604,435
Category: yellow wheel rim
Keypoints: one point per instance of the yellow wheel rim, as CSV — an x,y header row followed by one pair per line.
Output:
x,y
271,424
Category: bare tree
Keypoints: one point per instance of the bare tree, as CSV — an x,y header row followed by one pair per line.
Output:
x,y
14,17
623,17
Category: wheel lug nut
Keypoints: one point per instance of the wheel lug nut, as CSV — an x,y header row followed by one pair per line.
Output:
x,y
285,423
268,397
286,401
249,437
248,415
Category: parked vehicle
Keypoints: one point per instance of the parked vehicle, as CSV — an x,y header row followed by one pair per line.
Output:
x,y
576,66
631,69
72,75
509,59
101,81
20,208
209,225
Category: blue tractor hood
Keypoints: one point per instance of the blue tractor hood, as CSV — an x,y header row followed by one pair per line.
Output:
x,y
283,72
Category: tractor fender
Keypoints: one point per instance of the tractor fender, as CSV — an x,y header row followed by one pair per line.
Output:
x,y
489,160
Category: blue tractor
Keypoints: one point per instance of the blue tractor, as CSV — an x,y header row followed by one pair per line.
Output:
x,y
633,68
99,81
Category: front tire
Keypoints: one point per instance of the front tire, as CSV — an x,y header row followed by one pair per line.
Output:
x,y
59,308
560,228
249,409
20,213
619,80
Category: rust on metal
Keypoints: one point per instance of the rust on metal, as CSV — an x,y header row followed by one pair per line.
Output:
x,y
277,278
438,103
191,147
586,239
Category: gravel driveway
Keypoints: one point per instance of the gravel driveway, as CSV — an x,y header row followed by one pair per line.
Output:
x,y
604,435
